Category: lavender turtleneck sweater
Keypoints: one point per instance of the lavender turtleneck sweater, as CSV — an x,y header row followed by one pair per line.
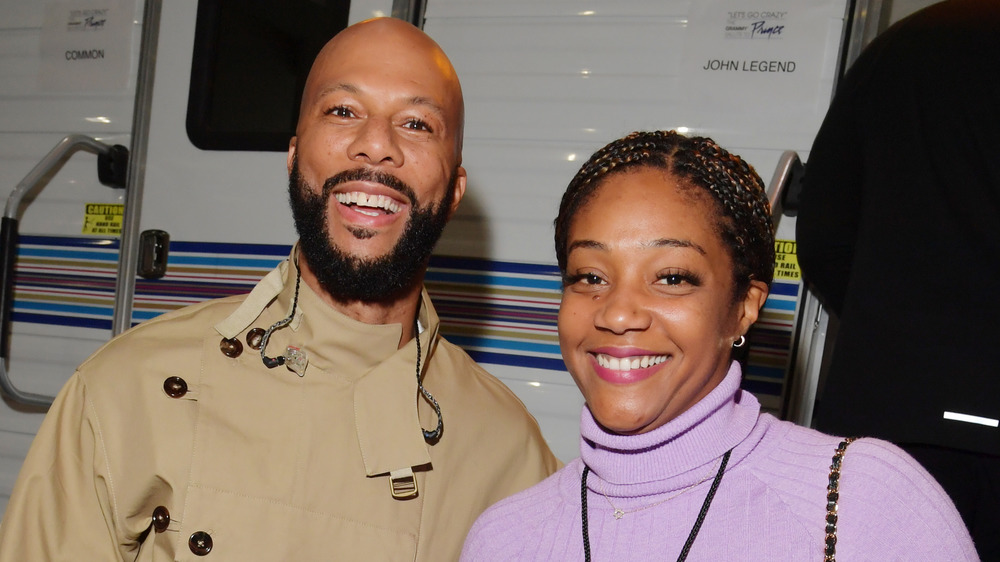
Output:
x,y
770,505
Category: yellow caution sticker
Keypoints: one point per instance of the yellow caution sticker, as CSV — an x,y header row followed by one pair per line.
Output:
x,y
103,218
786,261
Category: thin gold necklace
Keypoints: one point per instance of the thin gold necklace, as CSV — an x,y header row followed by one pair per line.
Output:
x,y
619,512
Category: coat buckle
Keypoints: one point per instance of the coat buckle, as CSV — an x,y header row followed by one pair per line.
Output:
x,y
402,483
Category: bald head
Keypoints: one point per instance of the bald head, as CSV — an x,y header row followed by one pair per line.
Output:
x,y
380,49
375,164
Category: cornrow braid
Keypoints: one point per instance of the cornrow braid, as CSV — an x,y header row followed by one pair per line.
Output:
x,y
743,214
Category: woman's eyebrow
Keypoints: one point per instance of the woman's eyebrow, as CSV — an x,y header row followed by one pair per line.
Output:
x,y
591,244
658,243
675,243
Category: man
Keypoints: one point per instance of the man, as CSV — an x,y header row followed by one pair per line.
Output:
x,y
319,417
899,233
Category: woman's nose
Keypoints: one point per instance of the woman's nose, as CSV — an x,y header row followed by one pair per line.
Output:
x,y
623,311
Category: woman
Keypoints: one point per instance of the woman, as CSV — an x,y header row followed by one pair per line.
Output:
x,y
666,251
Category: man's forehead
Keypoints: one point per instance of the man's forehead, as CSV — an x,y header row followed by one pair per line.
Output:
x,y
426,101
421,74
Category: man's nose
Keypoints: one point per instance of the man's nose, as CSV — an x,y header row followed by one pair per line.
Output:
x,y
376,144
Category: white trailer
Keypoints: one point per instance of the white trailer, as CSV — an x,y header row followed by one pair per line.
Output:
x,y
204,210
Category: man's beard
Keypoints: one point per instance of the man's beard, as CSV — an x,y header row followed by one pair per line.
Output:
x,y
351,278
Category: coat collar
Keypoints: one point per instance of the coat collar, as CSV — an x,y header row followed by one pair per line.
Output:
x,y
383,375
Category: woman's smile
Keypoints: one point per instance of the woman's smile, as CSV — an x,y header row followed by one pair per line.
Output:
x,y
627,368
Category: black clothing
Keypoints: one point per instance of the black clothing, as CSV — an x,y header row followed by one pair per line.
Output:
x,y
899,234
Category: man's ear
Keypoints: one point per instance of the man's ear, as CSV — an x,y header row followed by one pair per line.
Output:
x,y
749,307
459,189
291,153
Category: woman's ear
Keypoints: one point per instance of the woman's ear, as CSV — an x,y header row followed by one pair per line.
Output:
x,y
750,305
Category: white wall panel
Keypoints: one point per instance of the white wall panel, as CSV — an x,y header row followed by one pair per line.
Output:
x,y
446,9
548,83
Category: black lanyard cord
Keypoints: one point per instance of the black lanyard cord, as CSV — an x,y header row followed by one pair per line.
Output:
x,y
694,530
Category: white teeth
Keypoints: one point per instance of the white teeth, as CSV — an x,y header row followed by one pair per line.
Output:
x,y
361,199
629,363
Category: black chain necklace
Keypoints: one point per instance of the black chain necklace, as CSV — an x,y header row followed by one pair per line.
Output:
x,y
694,530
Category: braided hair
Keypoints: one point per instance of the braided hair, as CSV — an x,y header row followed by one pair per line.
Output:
x,y
742,212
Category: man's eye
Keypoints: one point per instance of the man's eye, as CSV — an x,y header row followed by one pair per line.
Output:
x,y
417,125
339,111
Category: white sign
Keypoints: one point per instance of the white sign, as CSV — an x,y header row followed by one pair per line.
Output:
x,y
763,66
87,46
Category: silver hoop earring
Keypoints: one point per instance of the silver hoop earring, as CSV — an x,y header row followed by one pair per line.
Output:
x,y
740,342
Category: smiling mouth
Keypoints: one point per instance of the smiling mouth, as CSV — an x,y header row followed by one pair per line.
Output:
x,y
629,363
371,205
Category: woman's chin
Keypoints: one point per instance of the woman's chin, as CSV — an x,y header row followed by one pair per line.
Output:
x,y
623,423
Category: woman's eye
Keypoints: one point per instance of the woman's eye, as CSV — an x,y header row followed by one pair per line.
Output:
x,y
585,279
675,278
417,125
581,280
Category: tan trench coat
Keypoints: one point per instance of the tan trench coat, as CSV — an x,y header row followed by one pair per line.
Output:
x,y
161,446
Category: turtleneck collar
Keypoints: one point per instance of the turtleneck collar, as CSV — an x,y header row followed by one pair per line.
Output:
x,y
676,454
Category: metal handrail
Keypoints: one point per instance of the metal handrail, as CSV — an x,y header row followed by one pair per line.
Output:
x,y
803,380
52,160
786,176
8,247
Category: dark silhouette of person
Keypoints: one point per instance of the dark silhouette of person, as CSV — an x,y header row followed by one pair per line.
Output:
x,y
899,235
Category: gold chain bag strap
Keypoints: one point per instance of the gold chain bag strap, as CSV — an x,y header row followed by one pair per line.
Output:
x,y
832,497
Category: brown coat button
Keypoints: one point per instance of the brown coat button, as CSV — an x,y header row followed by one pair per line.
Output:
x,y
231,347
200,543
175,387
255,337
161,518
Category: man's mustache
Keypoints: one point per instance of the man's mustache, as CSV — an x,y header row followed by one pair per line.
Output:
x,y
375,176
